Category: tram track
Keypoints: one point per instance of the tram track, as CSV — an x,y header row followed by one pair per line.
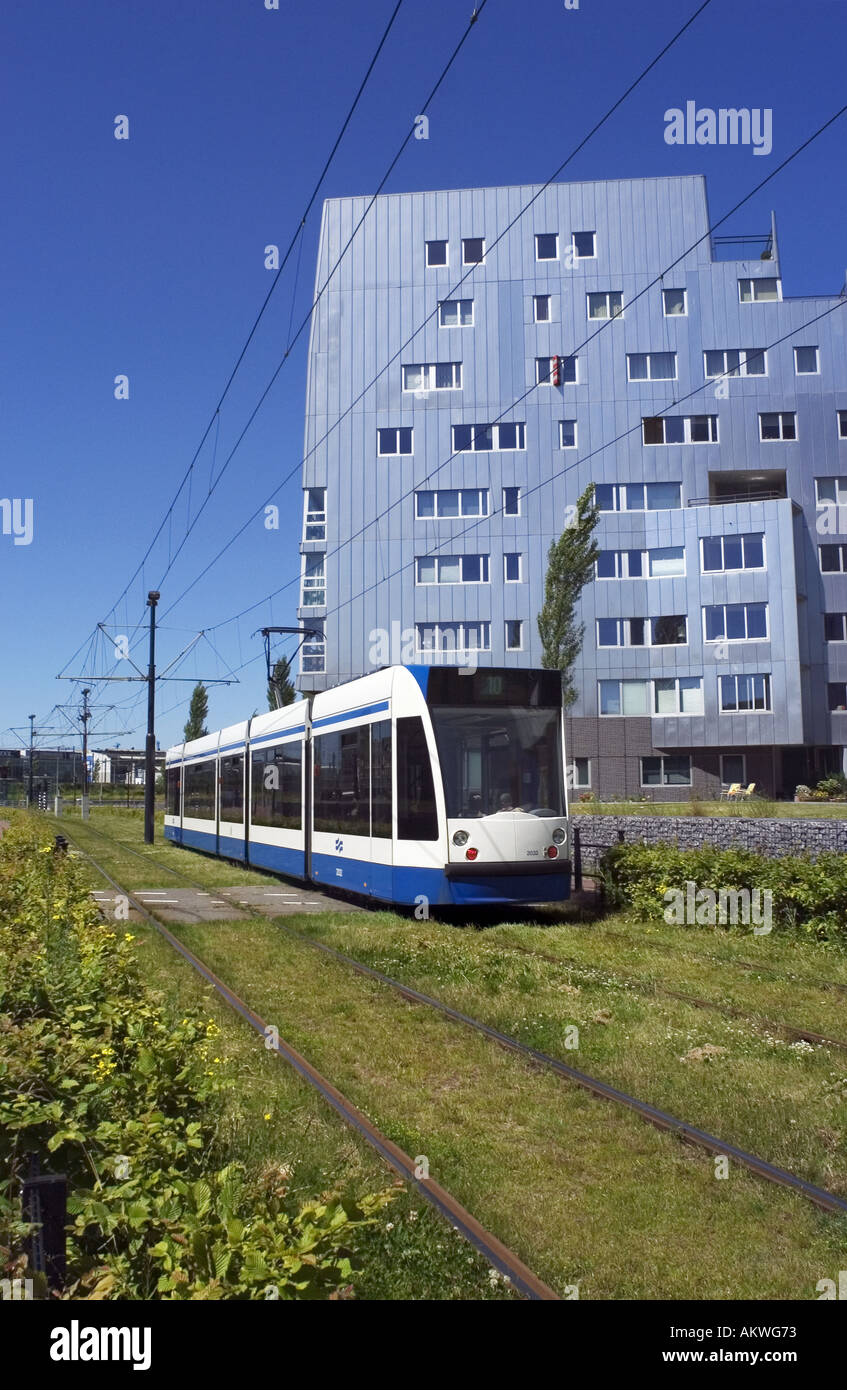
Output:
x,y
660,1119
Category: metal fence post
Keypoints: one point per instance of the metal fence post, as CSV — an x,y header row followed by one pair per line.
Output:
x,y
577,859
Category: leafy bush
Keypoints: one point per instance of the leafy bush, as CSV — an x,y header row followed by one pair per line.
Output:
x,y
99,1083
810,896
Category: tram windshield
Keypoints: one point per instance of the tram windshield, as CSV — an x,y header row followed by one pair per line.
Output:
x,y
499,741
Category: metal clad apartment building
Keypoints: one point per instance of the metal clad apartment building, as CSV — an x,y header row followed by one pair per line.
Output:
x,y
716,628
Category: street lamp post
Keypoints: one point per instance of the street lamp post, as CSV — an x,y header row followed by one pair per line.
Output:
x,y
150,746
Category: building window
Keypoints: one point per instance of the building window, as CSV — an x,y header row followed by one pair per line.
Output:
x,y
314,522
314,591
673,770
485,438
837,696
584,246
735,622
777,424
605,304
674,303
391,442
436,253
842,424
736,362
637,564
453,637
547,246
567,434
733,769
831,490
449,503
541,308
511,501
547,369
745,694
514,635
680,429
666,696
637,497
724,553
667,631
579,773
835,627
451,569
433,376
313,653
833,559
512,568
806,361
455,313
651,366
473,250
755,291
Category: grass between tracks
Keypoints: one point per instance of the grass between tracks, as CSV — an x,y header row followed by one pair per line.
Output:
x,y
585,1192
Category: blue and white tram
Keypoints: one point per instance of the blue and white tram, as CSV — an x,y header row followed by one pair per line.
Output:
x,y
415,781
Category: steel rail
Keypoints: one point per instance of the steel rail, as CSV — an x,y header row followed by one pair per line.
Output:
x,y
661,1119
520,1275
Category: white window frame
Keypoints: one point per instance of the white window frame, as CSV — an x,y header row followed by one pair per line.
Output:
x,y
484,624
428,371
651,683
461,514
517,488
313,649
660,759
841,547
544,260
840,498
465,240
619,490
438,582
607,295
817,367
562,444
843,637
727,781
645,564
313,517
496,446
549,301
740,676
507,647
318,579
684,293
781,414
442,324
573,783
438,265
380,453
753,280
744,356
575,254
842,423
835,709
625,631
547,379
687,421
650,355
743,569
514,554
745,604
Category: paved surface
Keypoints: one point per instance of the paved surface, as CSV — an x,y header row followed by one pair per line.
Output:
x,y
194,905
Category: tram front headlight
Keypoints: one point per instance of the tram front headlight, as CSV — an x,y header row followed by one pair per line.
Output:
x,y
460,837
558,836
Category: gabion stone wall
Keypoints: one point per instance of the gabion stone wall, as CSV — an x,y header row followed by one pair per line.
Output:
x,y
777,837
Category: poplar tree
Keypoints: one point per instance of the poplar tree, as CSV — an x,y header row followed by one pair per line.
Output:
x,y
197,711
570,566
280,687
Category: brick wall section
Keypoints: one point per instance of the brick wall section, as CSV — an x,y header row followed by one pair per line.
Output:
x,y
777,837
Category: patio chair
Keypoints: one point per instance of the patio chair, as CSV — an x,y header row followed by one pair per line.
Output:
x,y
731,792
748,791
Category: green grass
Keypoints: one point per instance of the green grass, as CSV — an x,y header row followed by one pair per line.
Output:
x,y
585,1192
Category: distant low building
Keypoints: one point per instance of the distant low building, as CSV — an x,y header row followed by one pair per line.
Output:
x,y
124,766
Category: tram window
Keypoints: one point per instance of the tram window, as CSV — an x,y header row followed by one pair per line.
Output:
x,y
342,781
200,790
381,779
276,785
416,814
173,791
232,788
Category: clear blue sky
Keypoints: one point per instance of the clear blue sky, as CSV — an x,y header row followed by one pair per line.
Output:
x,y
145,256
